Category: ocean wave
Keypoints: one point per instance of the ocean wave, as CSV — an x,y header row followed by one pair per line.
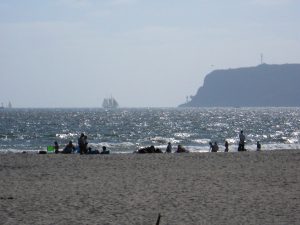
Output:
x,y
128,129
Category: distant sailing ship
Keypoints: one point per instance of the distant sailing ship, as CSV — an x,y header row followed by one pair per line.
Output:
x,y
110,103
9,106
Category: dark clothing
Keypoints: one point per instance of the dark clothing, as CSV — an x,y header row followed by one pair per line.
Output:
x,y
258,146
93,152
242,142
81,144
105,152
56,147
214,147
69,149
181,149
150,149
226,146
169,148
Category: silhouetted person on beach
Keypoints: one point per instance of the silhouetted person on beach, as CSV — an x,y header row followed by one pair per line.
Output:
x,y
210,147
213,147
169,148
242,141
81,143
93,152
258,146
226,146
157,150
181,149
216,147
85,149
150,149
69,148
56,147
104,150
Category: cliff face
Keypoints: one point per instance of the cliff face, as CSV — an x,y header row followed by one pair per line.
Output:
x,y
264,85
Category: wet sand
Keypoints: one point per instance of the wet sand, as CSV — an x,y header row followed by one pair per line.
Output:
x,y
195,188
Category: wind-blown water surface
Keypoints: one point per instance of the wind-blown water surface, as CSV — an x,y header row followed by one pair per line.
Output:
x,y
126,130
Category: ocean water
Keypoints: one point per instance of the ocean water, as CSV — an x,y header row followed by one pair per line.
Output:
x,y
126,130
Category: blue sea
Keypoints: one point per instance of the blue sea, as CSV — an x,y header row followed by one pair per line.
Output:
x,y
126,130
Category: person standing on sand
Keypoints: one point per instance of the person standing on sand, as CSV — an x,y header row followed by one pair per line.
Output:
x,y
242,141
211,147
258,146
81,143
226,146
169,148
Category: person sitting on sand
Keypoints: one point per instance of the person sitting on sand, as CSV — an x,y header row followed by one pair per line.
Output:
x,y
169,148
181,149
90,151
104,150
150,149
69,148
216,147
157,150
213,147
56,147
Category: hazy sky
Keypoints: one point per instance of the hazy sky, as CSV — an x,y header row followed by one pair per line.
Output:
x,y
73,53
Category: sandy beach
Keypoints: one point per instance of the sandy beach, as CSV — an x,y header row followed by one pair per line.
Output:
x,y
120,189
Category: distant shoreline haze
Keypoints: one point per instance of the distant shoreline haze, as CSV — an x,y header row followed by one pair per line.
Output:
x,y
261,86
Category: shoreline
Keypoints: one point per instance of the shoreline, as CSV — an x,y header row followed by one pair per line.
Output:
x,y
114,152
245,188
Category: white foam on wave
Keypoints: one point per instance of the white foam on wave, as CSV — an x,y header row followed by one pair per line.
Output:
x,y
65,136
201,141
183,135
162,140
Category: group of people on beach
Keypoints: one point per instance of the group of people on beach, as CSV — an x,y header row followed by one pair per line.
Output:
x,y
215,148
152,149
82,147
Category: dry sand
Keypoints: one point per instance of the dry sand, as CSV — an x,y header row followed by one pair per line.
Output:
x,y
196,188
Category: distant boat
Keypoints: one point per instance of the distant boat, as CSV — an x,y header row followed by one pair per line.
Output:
x,y
9,106
110,103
